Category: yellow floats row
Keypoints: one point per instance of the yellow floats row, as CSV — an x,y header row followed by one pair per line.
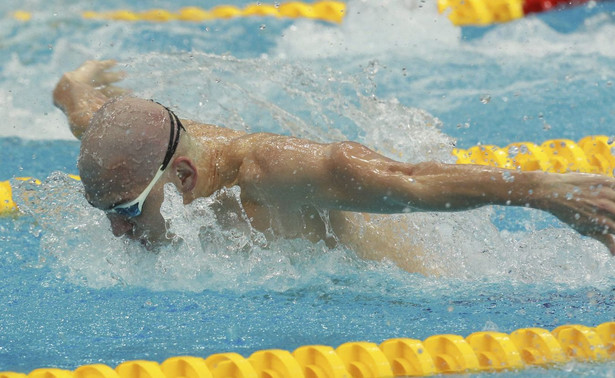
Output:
x,y
481,12
592,154
331,11
7,204
480,351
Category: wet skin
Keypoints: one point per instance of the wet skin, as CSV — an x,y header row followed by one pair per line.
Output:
x,y
286,183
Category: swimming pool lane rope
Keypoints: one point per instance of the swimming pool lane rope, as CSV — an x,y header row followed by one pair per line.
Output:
x,y
438,354
460,12
592,154
331,11
486,12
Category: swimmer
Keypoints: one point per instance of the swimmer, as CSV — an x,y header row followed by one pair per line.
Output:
x,y
131,147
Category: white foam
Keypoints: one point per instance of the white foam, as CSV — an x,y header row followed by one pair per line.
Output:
x,y
376,29
409,32
320,83
220,251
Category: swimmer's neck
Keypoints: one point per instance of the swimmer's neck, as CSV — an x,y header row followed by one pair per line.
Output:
x,y
215,153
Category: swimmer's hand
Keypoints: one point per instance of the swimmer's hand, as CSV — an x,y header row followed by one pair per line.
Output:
x,y
96,74
80,93
585,202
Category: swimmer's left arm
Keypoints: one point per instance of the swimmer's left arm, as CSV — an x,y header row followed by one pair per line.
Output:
x,y
349,176
80,93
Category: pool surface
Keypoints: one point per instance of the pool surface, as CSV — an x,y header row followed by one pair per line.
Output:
x,y
396,76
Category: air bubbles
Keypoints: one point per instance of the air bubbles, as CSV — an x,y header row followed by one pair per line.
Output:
x,y
513,151
508,176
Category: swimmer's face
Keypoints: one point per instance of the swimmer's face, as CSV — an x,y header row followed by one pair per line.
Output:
x,y
125,153
149,227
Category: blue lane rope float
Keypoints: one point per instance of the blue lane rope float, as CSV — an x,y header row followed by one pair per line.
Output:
x,y
438,354
592,154
331,11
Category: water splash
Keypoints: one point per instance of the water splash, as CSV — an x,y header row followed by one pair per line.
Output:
x,y
213,250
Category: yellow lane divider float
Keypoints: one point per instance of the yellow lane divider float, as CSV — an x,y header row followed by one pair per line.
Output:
x,y
438,354
486,12
331,11
592,154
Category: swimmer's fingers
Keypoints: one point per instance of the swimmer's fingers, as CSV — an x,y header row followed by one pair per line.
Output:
x,y
606,239
105,64
92,66
603,230
113,91
96,73
104,78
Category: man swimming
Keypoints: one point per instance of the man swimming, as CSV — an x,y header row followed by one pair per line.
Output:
x,y
131,147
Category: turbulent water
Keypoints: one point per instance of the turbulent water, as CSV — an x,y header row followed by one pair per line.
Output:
x,y
395,76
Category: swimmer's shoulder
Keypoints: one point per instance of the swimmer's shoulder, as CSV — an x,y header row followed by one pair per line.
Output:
x,y
206,130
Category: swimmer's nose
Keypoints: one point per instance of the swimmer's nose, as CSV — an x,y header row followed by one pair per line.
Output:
x,y
120,226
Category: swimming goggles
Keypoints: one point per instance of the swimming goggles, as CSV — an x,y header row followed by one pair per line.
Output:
x,y
133,208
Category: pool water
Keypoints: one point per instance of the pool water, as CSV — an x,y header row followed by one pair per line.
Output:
x,y
396,76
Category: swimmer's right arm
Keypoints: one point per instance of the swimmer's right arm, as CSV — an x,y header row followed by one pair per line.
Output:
x,y
80,93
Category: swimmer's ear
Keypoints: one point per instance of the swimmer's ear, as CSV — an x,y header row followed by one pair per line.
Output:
x,y
186,172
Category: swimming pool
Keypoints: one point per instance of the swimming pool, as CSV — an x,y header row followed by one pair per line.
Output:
x,y
411,88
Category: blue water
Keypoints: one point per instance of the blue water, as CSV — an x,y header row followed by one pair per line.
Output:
x,y
71,294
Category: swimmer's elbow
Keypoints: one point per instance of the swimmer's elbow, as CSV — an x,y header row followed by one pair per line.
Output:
x,y
78,102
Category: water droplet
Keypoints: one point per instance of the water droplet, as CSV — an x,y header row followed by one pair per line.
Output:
x,y
508,176
262,27
568,196
577,216
485,99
